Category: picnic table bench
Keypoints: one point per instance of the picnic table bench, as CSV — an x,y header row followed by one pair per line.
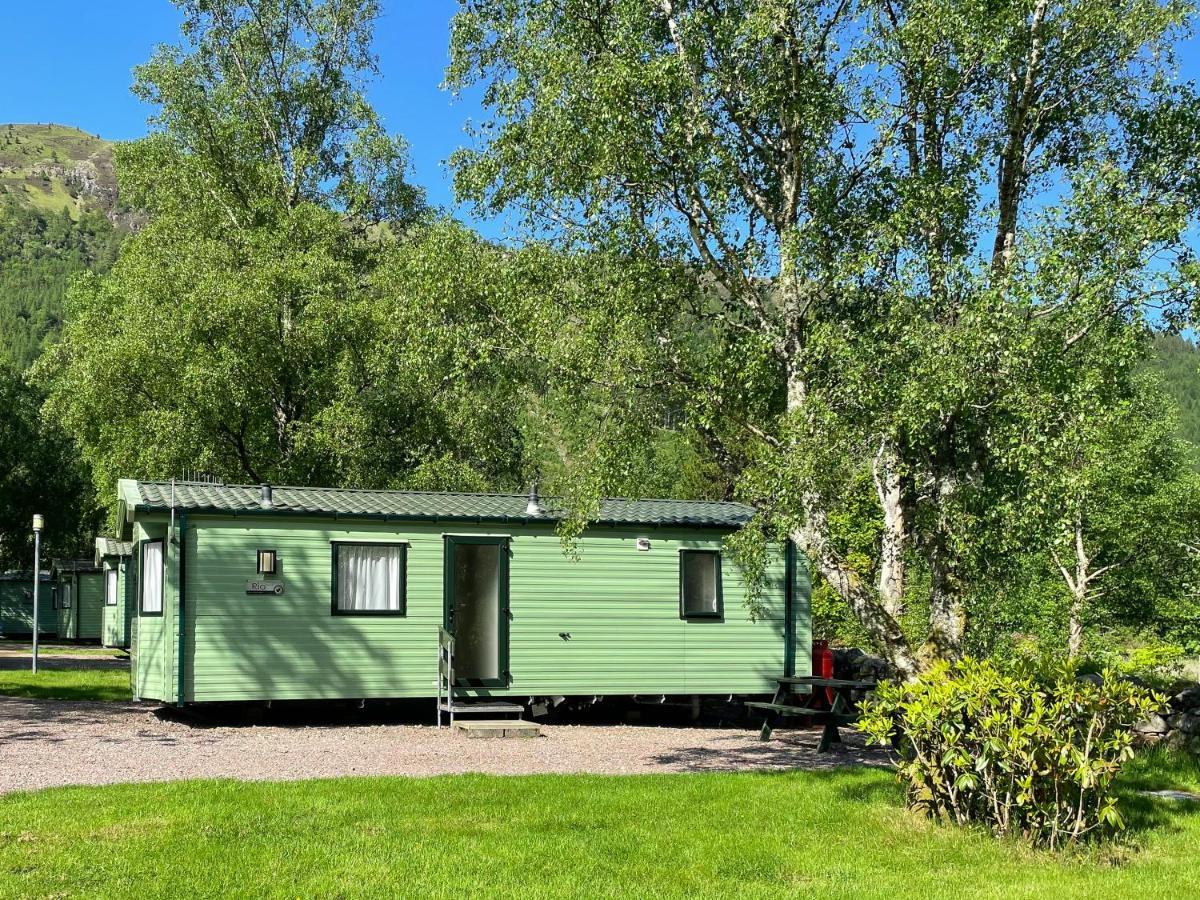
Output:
x,y
842,711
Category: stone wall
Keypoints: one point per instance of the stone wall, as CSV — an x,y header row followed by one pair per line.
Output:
x,y
1178,725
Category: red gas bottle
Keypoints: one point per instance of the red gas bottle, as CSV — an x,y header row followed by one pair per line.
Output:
x,y
822,667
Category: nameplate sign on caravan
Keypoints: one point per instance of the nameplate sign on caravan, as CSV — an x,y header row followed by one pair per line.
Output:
x,y
264,587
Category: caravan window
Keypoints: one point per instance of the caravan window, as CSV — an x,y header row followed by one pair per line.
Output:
x,y
66,596
368,579
700,585
152,578
110,587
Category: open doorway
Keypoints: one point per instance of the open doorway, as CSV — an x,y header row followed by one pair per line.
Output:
x,y
476,608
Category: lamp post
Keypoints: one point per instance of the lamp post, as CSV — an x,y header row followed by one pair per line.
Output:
x,y
38,524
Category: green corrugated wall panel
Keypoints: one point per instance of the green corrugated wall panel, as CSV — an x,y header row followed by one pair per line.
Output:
x,y
129,597
67,617
154,653
619,605
16,607
16,611
90,605
116,620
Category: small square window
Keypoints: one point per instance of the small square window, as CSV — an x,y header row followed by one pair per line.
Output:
x,y
700,585
369,579
267,562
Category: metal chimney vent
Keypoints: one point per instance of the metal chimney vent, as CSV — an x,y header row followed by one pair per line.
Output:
x,y
265,498
534,506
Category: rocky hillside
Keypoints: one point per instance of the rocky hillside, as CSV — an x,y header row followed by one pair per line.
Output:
x,y
50,168
60,214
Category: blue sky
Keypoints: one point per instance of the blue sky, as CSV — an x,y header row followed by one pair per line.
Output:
x,y
70,63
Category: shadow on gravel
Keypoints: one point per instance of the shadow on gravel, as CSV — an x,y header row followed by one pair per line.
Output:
x,y
345,713
798,750
50,721
23,663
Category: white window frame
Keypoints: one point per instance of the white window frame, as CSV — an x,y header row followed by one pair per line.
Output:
x,y
110,587
145,580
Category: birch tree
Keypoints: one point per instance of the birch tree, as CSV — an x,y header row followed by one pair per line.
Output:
x,y
1125,505
857,187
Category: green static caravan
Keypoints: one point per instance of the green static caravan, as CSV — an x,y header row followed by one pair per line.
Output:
x,y
260,593
79,589
113,558
16,605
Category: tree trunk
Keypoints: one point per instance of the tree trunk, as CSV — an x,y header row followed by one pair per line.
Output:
x,y
862,599
1011,170
947,617
895,532
1079,583
947,613
1075,626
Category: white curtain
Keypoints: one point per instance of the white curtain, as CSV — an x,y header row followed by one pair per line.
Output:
x,y
110,587
152,577
368,578
700,584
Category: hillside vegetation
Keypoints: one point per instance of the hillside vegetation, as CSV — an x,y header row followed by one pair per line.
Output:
x,y
53,167
59,215
1178,360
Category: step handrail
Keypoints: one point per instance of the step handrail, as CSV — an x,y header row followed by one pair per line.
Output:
x,y
445,674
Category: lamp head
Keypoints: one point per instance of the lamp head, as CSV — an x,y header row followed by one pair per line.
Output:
x,y
38,523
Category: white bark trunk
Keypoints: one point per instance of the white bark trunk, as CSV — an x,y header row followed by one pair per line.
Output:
x,y
863,599
895,534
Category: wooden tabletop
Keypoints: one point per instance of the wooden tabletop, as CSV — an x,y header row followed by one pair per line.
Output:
x,y
817,681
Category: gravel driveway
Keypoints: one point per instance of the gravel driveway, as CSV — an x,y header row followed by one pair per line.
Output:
x,y
44,743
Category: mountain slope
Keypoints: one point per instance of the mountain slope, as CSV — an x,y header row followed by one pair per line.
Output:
x,y
50,168
60,214
1178,361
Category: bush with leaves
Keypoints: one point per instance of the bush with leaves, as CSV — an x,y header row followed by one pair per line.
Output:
x,y
1026,752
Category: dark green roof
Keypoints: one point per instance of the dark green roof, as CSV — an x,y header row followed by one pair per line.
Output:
x,y
237,499
73,565
106,546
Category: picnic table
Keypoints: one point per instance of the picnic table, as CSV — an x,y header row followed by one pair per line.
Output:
x,y
842,711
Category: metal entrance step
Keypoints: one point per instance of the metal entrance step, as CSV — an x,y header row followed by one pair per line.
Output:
x,y
458,707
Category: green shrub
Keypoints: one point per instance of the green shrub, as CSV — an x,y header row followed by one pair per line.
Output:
x,y
1022,753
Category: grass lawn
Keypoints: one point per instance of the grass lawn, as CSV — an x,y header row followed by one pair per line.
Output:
x,y
840,833
66,684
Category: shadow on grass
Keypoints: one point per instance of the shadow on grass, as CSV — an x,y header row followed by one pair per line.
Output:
x,y
1159,769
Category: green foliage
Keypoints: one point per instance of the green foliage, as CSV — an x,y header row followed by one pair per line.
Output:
x,y
887,293
235,334
1178,362
1021,753
40,472
261,109
39,254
